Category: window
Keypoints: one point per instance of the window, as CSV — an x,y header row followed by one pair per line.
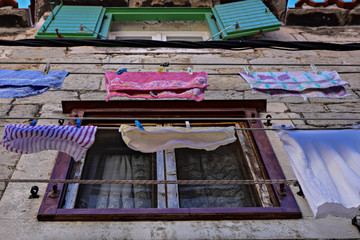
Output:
x,y
249,157
159,30
233,20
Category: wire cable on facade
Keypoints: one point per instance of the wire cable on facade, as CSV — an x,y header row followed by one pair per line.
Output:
x,y
226,44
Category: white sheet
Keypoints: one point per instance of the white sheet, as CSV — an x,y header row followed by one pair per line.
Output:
x,y
327,166
155,139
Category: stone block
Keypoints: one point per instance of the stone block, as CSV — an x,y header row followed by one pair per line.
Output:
x,y
277,107
226,83
4,109
354,53
250,95
5,101
299,108
208,58
353,98
82,82
352,79
314,17
15,203
14,17
296,123
344,107
48,97
331,122
279,61
40,53
51,110
93,96
6,171
230,94
8,158
22,111
337,35
354,16
273,53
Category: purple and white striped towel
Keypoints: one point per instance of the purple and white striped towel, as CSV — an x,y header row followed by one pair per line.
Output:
x,y
26,139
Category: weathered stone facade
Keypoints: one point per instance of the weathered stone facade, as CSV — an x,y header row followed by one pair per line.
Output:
x,y
18,213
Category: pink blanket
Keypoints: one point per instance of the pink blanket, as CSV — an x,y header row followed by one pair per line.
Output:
x,y
153,85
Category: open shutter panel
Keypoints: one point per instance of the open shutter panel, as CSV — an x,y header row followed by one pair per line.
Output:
x,y
67,20
251,15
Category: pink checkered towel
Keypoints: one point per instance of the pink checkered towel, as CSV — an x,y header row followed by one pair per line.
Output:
x,y
25,139
153,85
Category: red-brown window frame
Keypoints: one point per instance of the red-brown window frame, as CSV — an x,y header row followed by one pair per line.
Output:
x,y
287,207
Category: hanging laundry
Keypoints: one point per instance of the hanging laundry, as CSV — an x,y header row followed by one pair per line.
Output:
x,y
26,139
326,164
304,84
154,139
26,83
154,85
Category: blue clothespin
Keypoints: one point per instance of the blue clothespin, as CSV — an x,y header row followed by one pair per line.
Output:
x,y
78,122
33,123
138,124
121,71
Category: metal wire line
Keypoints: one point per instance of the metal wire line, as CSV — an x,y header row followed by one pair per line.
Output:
x,y
155,182
175,118
186,64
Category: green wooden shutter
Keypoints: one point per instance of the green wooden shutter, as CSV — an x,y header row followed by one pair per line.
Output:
x,y
67,20
252,16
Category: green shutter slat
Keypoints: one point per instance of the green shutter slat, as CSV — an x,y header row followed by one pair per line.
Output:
x,y
252,16
68,20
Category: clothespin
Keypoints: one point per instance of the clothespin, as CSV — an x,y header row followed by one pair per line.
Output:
x,y
160,69
314,68
121,71
153,94
58,34
47,68
33,123
78,123
138,124
187,123
247,70
190,71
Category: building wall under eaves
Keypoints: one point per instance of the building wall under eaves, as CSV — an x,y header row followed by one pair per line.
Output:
x,y
18,213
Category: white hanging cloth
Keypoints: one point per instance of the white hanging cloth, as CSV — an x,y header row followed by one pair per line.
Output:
x,y
154,139
327,166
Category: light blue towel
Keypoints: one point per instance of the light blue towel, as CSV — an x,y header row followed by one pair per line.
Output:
x,y
26,83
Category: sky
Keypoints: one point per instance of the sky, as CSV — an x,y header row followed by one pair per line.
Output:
x,y
23,3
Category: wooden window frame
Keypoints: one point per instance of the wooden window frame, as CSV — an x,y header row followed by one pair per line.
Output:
x,y
286,206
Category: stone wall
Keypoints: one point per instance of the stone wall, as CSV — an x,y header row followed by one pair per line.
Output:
x,y
18,213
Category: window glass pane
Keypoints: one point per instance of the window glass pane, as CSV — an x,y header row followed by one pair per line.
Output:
x,y
133,37
224,163
110,159
184,38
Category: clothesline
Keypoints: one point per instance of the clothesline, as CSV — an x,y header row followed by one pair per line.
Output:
x,y
176,118
212,74
167,64
155,182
